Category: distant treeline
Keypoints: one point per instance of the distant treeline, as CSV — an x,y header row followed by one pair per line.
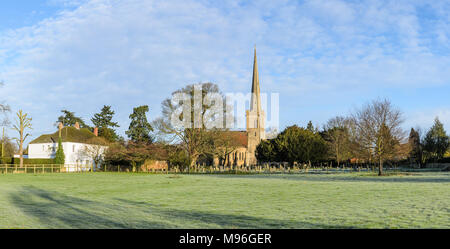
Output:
x,y
371,135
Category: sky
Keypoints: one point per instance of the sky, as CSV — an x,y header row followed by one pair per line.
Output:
x,y
323,57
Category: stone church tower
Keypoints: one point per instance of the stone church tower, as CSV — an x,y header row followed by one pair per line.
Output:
x,y
255,118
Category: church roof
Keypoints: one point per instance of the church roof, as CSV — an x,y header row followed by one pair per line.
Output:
x,y
256,98
70,134
240,138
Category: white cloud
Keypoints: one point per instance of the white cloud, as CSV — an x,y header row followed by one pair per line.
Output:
x,y
127,53
425,118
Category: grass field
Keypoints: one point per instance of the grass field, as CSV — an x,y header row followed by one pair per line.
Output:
x,y
114,200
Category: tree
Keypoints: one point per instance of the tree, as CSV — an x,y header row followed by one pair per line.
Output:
x,y
178,157
5,123
69,119
378,130
224,145
103,121
140,128
415,146
60,158
266,151
8,147
4,108
95,150
436,141
134,154
337,135
310,126
294,144
23,123
193,118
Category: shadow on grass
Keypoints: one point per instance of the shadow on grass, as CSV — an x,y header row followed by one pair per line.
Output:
x,y
227,220
349,177
56,210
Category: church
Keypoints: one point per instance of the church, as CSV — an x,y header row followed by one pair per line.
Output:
x,y
245,142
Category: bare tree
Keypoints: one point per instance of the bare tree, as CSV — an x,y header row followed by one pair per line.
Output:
x,y
378,130
337,134
224,146
197,133
4,109
23,123
95,150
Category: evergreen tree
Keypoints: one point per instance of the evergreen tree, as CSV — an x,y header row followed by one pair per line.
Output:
x,y
60,158
294,144
415,146
265,151
310,127
436,141
103,121
139,129
69,119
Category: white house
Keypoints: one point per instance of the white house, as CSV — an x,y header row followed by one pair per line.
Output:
x,y
82,148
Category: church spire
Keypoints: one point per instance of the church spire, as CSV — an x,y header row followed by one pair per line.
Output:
x,y
256,99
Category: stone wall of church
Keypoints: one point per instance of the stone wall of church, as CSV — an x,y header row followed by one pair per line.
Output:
x,y
236,158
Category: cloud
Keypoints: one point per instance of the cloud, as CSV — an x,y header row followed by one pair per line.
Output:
x,y
314,53
425,119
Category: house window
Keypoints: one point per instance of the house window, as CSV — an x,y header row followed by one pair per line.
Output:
x,y
73,148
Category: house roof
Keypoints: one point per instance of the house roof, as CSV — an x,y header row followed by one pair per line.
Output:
x,y
70,134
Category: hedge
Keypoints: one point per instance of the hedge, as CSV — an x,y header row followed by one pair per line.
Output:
x,y
444,160
34,161
6,160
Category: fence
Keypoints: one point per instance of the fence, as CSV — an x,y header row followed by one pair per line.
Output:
x,y
267,169
44,168
257,169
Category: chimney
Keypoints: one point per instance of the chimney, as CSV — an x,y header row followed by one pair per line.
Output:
x,y
96,131
77,125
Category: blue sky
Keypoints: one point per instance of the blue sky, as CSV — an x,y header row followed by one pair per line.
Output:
x,y
324,58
